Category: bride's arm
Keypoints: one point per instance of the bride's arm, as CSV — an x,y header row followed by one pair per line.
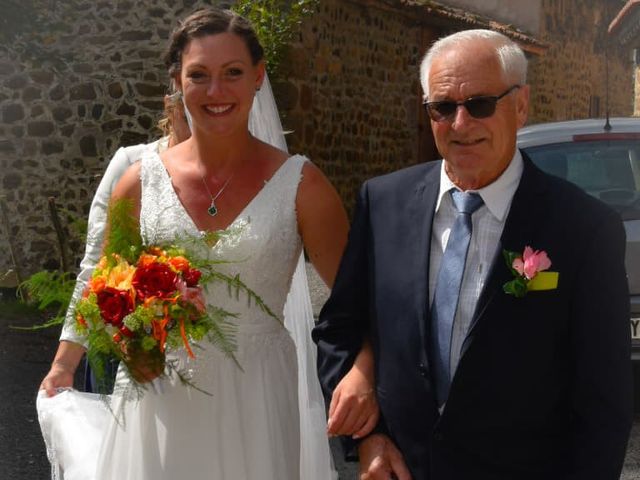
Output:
x,y
323,225
129,187
69,353
63,367
70,349
322,222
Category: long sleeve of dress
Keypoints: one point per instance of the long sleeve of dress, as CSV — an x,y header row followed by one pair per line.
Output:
x,y
122,159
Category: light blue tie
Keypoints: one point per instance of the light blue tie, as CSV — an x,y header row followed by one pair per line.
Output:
x,y
447,289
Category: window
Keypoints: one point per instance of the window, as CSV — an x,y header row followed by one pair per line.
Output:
x,y
608,170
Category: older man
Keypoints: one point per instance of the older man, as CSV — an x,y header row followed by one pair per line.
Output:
x,y
488,365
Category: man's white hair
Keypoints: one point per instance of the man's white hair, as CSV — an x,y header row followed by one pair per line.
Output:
x,y
508,53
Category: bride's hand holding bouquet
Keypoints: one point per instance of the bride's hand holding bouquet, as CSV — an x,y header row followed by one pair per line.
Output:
x,y
145,300
135,308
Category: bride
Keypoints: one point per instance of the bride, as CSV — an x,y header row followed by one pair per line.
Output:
x,y
255,426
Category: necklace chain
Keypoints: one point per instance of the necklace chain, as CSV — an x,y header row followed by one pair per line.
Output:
x,y
213,210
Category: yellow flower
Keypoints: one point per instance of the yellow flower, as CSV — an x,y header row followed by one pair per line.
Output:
x,y
120,276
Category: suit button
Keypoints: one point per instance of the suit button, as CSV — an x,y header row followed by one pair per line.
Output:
x,y
423,370
438,436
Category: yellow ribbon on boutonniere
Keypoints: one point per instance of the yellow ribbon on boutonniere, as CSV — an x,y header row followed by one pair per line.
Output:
x,y
529,271
543,281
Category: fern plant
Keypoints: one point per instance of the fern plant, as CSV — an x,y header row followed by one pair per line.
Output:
x,y
48,291
51,291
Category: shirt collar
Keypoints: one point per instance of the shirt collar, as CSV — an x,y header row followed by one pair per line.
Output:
x,y
497,195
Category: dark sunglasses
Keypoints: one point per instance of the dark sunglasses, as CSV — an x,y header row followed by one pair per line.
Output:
x,y
478,107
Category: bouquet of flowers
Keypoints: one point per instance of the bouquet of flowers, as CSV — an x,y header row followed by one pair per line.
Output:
x,y
143,300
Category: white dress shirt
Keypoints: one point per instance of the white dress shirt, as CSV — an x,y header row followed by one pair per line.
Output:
x,y
488,222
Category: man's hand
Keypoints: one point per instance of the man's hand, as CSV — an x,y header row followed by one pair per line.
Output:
x,y
381,460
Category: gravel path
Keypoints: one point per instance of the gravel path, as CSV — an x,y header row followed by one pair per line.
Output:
x,y
25,357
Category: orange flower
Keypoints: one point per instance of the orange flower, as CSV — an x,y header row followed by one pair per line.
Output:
x,y
157,251
146,259
102,263
179,263
97,284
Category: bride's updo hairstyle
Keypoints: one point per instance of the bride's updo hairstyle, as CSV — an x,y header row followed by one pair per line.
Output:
x,y
209,21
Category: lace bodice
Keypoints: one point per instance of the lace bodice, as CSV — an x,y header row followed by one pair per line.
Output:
x,y
263,244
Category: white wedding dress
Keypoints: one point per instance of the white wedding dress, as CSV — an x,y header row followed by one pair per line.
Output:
x,y
249,428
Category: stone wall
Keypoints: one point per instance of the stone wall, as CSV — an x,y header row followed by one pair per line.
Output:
x,y
352,99
636,83
92,81
352,94
84,80
523,14
569,80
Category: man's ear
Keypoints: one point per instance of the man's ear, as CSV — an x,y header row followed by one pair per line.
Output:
x,y
522,105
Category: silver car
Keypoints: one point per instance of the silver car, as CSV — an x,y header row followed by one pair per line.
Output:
x,y
604,160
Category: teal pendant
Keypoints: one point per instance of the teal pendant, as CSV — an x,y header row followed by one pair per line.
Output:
x,y
212,210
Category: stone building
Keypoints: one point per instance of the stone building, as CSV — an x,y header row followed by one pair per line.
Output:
x,y
79,79
570,80
352,96
624,30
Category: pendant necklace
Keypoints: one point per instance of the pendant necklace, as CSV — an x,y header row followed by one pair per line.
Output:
x,y
213,210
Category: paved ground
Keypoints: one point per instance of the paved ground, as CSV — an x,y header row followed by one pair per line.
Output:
x,y
319,292
25,358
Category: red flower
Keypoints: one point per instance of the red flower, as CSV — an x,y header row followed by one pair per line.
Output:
x,y
154,280
125,331
114,305
192,276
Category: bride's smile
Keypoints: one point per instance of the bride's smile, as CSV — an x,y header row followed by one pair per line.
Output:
x,y
219,109
219,79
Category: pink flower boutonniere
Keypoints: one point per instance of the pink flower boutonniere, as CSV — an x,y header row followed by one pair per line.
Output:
x,y
528,269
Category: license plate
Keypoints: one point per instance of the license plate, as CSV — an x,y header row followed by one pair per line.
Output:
x,y
635,328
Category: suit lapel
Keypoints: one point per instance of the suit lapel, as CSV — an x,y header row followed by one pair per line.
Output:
x,y
518,232
421,213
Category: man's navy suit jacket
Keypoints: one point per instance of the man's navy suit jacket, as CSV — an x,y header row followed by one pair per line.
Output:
x,y
543,389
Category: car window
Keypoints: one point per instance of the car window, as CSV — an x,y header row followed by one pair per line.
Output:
x,y
608,170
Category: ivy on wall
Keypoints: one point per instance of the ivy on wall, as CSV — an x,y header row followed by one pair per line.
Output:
x,y
275,23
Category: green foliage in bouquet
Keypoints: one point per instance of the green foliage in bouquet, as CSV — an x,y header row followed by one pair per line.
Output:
x,y
146,300
123,238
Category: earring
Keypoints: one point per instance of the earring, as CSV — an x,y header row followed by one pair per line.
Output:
x,y
175,96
